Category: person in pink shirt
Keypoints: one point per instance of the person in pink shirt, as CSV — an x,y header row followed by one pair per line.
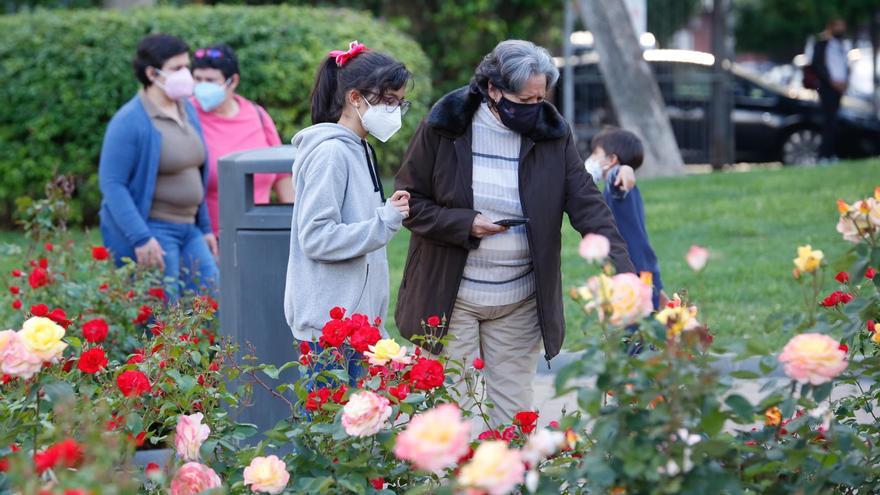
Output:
x,y
232,123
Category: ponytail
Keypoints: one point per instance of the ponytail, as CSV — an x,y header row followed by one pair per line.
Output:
x,y
370,73
324,105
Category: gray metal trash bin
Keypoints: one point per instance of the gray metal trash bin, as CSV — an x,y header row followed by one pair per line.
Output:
x,y
254,247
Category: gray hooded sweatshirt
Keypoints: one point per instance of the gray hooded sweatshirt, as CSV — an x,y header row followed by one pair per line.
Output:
x,y
338,234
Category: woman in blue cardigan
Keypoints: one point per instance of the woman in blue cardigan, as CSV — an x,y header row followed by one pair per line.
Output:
x,y
153,173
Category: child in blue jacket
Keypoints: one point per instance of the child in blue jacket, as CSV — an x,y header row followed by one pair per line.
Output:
x,y
614,151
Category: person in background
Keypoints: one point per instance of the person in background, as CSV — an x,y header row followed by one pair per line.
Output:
x,y
341,221
832,70
617,152
152,173
232,123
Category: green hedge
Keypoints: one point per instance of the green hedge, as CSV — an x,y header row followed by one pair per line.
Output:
x,y
64,73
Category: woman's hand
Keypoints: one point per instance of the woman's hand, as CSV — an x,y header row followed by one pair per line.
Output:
x,y
211,241
626,178
151,254
483,227
400,201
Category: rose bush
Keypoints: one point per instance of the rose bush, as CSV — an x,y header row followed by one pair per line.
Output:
x,y
660,417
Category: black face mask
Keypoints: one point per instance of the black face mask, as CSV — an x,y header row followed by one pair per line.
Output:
x,y
518,117
839,35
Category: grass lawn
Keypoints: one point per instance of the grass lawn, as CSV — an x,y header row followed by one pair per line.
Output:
x,y
751,221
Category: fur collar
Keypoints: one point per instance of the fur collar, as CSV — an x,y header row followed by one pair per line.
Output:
x,y
453,113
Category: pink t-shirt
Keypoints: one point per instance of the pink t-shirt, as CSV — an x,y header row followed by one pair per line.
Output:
x,y
241,132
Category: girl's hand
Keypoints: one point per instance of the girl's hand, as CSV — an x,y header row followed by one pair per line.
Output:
x,y
400,200
151,254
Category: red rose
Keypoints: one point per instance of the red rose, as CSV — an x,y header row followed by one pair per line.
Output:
x,y
842,277
434,321
304,348
138,440
871,326
48,246
399,392
479,363
16,304
554,424
205,302
337,313
333,334
870,272
66,453
95,330
509,433
14,290
377,322
100,253
835,298
39,310
144,315
526,420
846,298
214,366
490,435
339,394
59,316
427,374
16,273
135,359
364,337
359,320
843,347
151,467
378,483
104,287
133,383
38,278
158,293
44,263
92,361
317,398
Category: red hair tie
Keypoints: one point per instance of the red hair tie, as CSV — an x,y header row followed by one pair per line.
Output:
x,y
342,57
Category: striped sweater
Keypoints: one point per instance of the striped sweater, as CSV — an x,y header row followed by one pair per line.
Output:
x,y
500,271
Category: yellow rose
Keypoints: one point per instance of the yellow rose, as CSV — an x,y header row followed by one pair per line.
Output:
x,y
875,337
495,468
808,259
42,337
772,416
386,350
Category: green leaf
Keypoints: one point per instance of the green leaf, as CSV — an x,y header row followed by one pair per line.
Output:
x,y
822,392
270,371
712,421
741,406
745,374
74,342
59,393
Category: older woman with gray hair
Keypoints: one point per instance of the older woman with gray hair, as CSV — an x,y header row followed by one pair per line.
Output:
x,y
491,171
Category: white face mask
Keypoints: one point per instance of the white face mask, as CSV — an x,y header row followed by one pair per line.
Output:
x,y
379,122
594,167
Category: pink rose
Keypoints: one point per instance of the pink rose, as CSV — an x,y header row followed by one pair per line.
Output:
x,y
193,478
15,357
365,414
630,299
697,257
813,358
266,475
846,227
435,439
594,247
189,436
495,469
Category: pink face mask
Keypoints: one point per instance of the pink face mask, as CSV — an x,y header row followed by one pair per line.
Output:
x,y
178,84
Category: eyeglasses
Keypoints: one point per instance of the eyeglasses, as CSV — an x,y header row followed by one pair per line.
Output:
x,y
391,103
208,52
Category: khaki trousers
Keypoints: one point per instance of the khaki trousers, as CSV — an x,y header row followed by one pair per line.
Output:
x,y
508,338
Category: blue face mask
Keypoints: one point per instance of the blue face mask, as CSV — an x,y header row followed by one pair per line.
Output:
x,y
210,95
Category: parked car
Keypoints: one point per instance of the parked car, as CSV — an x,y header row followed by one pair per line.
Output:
x,y
771,123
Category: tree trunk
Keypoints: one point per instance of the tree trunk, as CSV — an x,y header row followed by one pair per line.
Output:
x,y
631,85
128,4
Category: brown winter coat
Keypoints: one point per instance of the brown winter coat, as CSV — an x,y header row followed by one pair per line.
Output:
x,y
437,172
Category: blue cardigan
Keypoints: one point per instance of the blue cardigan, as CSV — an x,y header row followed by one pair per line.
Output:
x,y
127,177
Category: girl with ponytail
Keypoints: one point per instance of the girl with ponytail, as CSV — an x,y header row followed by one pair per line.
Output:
x,y
342,220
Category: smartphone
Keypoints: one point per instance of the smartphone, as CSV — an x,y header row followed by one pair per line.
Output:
x,y
512,222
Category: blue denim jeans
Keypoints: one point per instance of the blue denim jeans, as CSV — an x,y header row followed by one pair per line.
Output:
x,y
189,264
354,361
